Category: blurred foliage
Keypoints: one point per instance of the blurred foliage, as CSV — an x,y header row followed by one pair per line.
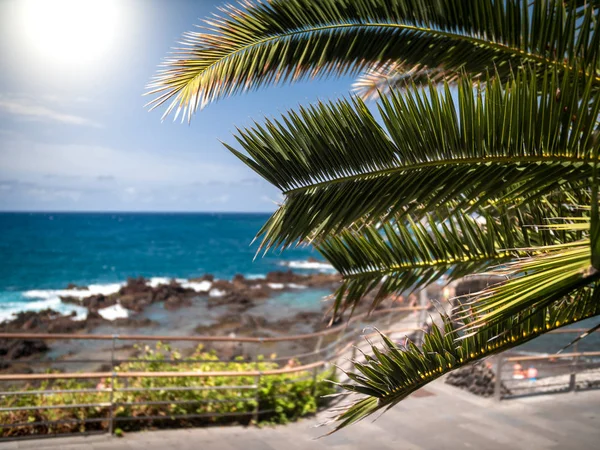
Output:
x,y
219,400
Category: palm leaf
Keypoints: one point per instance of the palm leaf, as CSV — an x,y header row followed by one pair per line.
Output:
x,y
256,44
535,281
402,255
408,368
336,165
383,78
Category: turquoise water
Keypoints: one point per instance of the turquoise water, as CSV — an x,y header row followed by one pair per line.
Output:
x,y
43,252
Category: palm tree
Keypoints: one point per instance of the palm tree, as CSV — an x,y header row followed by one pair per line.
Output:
x,y
484,158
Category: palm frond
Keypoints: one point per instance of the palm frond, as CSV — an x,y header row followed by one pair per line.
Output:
x,y
255,44
391,374
381,79
336,164
536,281
407,255
404,255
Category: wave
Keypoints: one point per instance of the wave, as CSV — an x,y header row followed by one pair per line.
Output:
x,y
309,265
93,289
10,309
114,312
12,303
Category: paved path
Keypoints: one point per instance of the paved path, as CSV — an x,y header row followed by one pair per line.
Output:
x,y
440,417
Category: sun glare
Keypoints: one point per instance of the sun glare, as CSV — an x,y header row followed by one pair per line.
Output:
x,y
69,33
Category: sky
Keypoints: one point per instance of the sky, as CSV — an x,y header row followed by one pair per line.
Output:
x,y
74,133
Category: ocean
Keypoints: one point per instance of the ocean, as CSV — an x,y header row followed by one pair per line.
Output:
x,y
41,253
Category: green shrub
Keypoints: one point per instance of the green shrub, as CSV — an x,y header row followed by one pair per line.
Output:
x,y
281,398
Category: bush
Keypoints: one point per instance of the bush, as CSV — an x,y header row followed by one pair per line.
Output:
x,y
281,398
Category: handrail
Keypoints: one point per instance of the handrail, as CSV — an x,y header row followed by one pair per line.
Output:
x,y
99,375
552,356
259,340
195,374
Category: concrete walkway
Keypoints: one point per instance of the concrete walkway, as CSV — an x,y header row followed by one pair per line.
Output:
x,y
439,417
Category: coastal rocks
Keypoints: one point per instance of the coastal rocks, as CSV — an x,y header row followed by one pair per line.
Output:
x,y
75,287
236,301
279,276
136,295
324,280
477,379
36,322
20,348
93,302
176,302
208,277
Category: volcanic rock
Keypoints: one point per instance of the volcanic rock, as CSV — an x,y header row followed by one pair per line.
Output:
x,y
176,302
477,379
279,276
75,287
206,277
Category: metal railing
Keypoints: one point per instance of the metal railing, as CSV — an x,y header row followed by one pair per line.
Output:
x,y
519,375
321,351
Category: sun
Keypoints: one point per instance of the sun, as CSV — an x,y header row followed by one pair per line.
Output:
x,y
69,33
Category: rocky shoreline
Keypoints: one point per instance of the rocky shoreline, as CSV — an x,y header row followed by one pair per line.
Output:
x,y
226,301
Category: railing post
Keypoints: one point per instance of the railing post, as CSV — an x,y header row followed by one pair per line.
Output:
x,y
498,384
315,370
336,349
257,399
573,377
112,385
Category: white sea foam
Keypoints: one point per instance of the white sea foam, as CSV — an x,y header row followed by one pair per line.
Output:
x,y
114,312
157,281
41,299
296,286
309,265
93,289
276,285
198,286
216,293
8,310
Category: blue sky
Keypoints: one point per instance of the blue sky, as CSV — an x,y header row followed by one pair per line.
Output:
x,y
74,135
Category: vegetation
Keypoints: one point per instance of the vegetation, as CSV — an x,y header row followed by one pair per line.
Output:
x,y
281,398
484,158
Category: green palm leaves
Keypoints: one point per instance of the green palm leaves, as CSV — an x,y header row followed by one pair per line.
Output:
x,y
336,165
257,44
394,372
482,155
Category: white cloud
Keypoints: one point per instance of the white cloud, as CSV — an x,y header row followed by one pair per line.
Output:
x,y
48,195
24,159
224,198
30,109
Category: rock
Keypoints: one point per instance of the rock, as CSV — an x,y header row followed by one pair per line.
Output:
x,y
176,302
21,348
477,379
133,322
324,280
237,302
75,287
222,285
207,277
239,282
31,321
279,276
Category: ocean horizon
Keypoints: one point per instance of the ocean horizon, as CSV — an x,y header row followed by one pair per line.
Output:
x,y
43,252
